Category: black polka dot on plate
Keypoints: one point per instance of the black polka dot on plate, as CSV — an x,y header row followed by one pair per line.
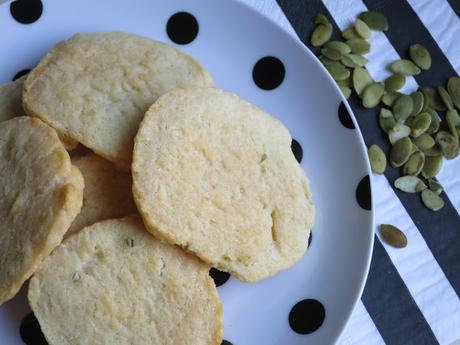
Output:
x,y
182,28
26,11
297,150
363,193
268,73
310,238
220,278
344,116
226,342
30,331
20,74
307,316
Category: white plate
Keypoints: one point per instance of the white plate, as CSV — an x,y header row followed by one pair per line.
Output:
x,y
230,41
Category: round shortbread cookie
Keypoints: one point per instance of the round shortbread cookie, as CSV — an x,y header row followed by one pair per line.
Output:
x,y
114,283
40,195
96,87
107,192
11,99
216,175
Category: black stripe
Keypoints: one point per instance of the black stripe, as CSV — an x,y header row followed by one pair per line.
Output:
x,y
384,274
455,4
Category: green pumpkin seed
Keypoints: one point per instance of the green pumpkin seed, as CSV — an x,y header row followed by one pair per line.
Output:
x,y
377,159
432,99
453,121
405,67
424,141
354,60
393,236
433,151
358,46
338,72
394,82
435,121
431,200
372,95
398,132
325,61
386,120
445,97
453,87
417,100
435,186
346,82
339,46
362,29
389,98
402,107
321,34
409,184
350,33
361,79
448,143
331,53
432,166
321,19
346,91
374,20
420,124
400,152
420,55
414,164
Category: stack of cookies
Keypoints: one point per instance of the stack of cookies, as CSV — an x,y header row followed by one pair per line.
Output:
x,y
129,177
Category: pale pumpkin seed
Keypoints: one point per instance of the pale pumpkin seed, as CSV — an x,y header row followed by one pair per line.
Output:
x,y
445,97
433,151
400,152
339,46
420,55
417,100
390,97
331,53
361,79
424,141
414,164
338,72
432,99
321,34
420,124
353,60
398,132
362,29
409,184
431,200
394,82
402,107
350,33
372,95
432,166
346,91
321,19
386,120
448,143
377,159
453,121
453,87
435,186
435,121
405,67
358,45
393,236
374,20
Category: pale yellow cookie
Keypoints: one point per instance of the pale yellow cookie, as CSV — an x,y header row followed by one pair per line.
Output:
x,y
96,87
40,195
11,99
114,283
107,192
216,175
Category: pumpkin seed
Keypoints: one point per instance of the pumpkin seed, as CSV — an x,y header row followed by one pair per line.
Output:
x,y
402,107
362,29
321,19
435,121
424,141
420,124
409,184
386,120
321,34
375,20
445,97
354,60
372,95
405,67
346,82
435,186
394,82
420,55
432,166
393,236
338,45
414,164
350,33
448,143
432,151
431,200
361,79
346,91
325,61
331,53
358,45
398,132
400,152
377,159
338,72
417,100
390,97
453,87
453,122
432,99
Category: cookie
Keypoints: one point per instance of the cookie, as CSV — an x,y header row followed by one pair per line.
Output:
x,y
40,195
11,99
114,283
107,192
96,87
216,175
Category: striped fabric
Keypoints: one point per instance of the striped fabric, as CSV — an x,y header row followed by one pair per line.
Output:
x,y
411,295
